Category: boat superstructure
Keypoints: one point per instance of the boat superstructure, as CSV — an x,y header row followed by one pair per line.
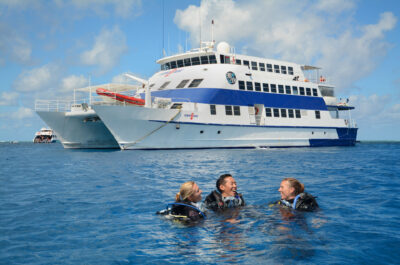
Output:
x,y
208,98
76,123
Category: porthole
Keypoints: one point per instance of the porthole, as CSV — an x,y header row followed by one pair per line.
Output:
x,y
219,132
201,131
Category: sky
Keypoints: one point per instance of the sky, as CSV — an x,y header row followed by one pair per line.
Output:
x,y
50,47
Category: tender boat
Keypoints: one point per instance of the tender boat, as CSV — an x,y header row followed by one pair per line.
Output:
x,y
45,136
208,98
76,123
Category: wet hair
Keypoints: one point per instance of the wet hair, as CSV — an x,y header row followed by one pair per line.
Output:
x,y
221,180
297,185
185,191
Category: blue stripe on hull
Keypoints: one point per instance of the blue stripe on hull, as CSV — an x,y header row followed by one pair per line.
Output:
x,y
347,137
241,98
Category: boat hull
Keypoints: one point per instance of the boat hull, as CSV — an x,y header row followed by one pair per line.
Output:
x,y
81,129
146,128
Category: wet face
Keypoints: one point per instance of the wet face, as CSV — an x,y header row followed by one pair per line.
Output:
x,y
287,192
229,187
196,196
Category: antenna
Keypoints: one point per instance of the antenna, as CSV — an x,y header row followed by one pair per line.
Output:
x,y
163,29
212,31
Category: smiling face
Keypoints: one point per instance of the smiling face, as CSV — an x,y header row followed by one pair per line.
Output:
x,y
228,187
196,195
287,191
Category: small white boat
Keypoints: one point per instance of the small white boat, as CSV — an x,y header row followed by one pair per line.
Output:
x,y
45,136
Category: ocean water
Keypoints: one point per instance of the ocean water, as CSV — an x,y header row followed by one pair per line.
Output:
x,y
61,206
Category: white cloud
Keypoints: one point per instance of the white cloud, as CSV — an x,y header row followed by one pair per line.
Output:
x,y
37,79
73,81
8,98
307,32
22,113
109,46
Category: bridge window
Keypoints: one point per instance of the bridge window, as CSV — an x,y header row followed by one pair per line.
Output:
x,y
298,115
204,59
283,69
246,63
269,67
173,64
302,91
291,113
238,62
195,83
254,65
195,61
212,59
280,88
308,90
315,92
283,113
276,69
262,67
290,70
295,90
180,63
288,90
187,62
257,86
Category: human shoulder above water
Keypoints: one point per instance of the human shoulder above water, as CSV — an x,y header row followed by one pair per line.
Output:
x,y
293,196
225,196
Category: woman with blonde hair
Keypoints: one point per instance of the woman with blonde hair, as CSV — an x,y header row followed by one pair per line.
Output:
x,y
187,204
293,196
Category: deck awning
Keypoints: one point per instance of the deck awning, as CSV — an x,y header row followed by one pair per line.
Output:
x,y
110,86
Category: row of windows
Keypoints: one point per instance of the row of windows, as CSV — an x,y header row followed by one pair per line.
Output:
x,y
211,59
279,69
269,112
281,89
206,59
287,113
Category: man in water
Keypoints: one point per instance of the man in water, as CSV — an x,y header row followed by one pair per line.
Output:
x,y
225,196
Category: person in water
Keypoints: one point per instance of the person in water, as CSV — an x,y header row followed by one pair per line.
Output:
x,y
225,196
294,197
187,204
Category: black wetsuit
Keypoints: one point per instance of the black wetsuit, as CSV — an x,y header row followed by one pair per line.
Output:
x,y
215,201
186,210
304,202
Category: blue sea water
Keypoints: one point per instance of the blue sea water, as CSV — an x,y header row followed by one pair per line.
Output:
x,y
61,206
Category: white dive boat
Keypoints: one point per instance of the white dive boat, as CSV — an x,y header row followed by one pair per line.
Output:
x,y
210,98
45,136
76,124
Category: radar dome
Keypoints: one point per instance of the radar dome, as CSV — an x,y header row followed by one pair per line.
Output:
x,y
223,47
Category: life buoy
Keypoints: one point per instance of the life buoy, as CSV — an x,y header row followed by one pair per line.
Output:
x,y
256,109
